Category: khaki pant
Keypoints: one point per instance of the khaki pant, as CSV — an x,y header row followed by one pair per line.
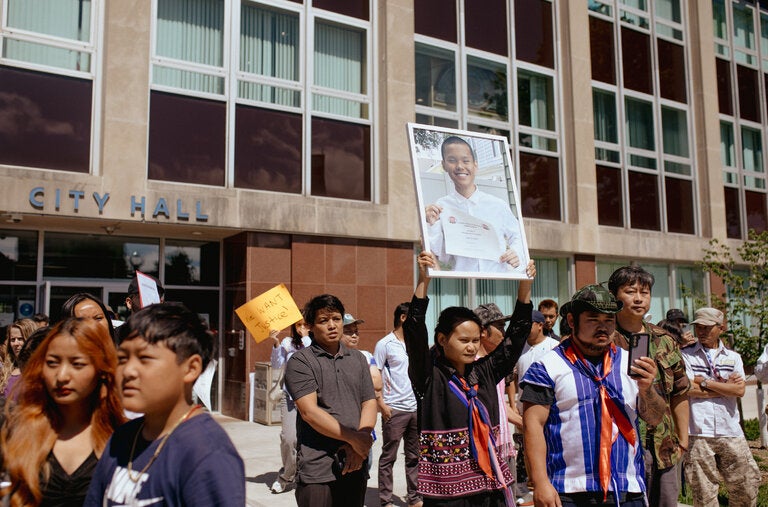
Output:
x,y
729,459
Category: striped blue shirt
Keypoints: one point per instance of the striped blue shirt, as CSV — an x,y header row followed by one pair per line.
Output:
x,y
572,430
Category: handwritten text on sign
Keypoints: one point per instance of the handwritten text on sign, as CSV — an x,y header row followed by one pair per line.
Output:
x,y
274,309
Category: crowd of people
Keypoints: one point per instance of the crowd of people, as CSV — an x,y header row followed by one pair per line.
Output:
x,y
98,415
500,410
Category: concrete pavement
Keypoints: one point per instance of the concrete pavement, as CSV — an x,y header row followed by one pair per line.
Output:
x,y
259,446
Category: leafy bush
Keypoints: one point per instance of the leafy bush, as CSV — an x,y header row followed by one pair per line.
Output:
x,y
752,429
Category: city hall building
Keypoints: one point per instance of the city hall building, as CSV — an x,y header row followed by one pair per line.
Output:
x,y
227,146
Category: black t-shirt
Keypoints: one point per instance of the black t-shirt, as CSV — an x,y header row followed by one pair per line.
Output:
x,y
198,465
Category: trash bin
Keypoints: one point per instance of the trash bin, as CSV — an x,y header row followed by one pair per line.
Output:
x,y
262,409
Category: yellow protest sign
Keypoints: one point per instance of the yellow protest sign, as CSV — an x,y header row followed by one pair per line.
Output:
x,y
274,309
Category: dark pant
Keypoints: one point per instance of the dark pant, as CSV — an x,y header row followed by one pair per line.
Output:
x,y
349,491
489,499
663,485
402,425
596,499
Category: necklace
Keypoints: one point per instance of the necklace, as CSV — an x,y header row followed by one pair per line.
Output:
x,y
159,447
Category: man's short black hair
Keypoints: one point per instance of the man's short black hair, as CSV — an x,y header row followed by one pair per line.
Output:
x,y
400,310
630,275
456,140
174,325
322,302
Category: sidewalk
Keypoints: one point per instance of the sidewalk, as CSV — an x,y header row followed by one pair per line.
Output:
x,y
259,447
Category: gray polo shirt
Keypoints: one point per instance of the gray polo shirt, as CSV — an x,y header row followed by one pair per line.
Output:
x,y
342,383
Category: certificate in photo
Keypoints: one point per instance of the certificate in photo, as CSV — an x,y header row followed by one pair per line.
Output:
x,y
468,203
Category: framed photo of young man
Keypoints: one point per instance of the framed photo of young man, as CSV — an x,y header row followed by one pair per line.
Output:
x,y
468,203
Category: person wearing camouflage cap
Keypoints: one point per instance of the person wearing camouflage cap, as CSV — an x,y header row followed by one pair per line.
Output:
x,y
664,443
583,389
717,443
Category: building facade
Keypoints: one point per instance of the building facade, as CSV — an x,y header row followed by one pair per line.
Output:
x,y
227,146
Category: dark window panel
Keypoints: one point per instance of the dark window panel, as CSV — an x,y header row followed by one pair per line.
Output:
x,y
644,201
749,94
757,217
84,256
267,150
732,213
636,57
428,23
533,32
18,255
539,186
724,86
186,139
191,263
341,159
45,110
609,203
354,8
235,259
679,199
486,27
602,50
672,71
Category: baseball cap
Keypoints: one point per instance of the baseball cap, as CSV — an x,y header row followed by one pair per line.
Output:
x,y
133,287
595,298
676,314
537,316
489,313
708,317
349,320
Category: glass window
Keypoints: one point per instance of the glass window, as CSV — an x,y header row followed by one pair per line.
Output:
x,y
719,19
341,159
609,200
46,110
752,149
339,65
639,124
486,27
435,77
743,27
727,146
487,88
604,107
669,10
269,46
636,60
191,263
724,94
533,32
644,201
732,213
83,256
536,100
672,82
680,211
602,50
539,186
186,151
18,255
354,8
674,127
427,23
268,150
756,210
12,297
749,93
690,281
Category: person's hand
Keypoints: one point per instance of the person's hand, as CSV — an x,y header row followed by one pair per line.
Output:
x,y
352,460
530,269
645,370
432,213
426,260
360,441
735,378
510,257
688,339
545,495
273,334
386,412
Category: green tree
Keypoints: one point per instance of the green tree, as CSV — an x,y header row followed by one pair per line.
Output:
x,y
746,299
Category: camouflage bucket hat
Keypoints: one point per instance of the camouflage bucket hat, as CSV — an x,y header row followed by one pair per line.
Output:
x,y
595,298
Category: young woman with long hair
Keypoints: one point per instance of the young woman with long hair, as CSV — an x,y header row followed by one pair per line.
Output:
x,y
88,306
458,402
66,410
15,337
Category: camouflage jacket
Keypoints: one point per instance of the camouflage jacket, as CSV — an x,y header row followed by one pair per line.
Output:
x,y
670,382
